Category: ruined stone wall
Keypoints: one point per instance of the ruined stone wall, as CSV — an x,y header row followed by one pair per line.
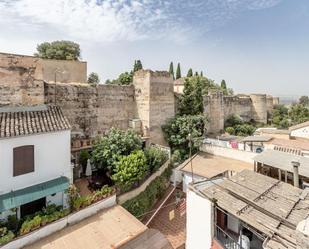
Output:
x,y
249,107
64,71
92,110
20,80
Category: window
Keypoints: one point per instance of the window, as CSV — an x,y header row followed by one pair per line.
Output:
x,y
23,160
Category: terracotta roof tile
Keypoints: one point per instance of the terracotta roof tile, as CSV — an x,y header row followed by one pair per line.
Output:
x,y
27,122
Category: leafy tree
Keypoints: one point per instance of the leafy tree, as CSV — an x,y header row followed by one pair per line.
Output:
x,y
190,73
171,70
299,114
177,129
304,100
230,130
155,157
137,66
280,113
233,120
191,101
178,72
114,144
125,78
93,78
223,84
244,130
58,50
129,169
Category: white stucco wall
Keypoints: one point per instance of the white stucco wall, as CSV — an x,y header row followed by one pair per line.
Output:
x,y
187,179
199,221
52,159
302,132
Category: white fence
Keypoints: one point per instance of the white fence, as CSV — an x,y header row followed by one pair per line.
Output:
x,y
135,192
51,228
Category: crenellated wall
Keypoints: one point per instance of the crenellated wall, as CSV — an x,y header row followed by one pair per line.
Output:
x,y
92,110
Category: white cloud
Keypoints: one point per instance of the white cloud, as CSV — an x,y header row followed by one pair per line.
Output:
x,y
116,20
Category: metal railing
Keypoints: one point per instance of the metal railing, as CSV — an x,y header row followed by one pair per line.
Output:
x,y
226,240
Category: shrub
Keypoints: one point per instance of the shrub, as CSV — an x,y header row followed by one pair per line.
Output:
x,y
30,225
233,120
5,235
155,158
116,143
230,130
244,130
145,200
130,169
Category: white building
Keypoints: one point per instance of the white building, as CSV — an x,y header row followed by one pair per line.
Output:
x,y
300,130
249,211
204,166
35,159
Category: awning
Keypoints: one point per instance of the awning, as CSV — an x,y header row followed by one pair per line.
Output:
x,y
22,196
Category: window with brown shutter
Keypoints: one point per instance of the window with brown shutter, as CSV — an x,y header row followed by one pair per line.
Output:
x,y
23,160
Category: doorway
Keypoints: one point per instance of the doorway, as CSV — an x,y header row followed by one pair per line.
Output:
x,y
32,207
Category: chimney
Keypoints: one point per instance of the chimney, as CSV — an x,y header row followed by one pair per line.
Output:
x,y
296,165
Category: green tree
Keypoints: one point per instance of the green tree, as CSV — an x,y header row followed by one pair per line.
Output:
x,y
223,85
178,72
137,66
58,50
196,73
191,101
201,74
298,114
114,144
125,78
177,129
155,157
190,73
233,120
93,78
304,100
129,169
171,70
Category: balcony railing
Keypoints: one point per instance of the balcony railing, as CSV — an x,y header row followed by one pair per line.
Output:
x,y
226,240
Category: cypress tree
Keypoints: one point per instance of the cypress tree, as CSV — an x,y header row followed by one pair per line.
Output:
x,y
202,75
223,85
171,70
137,65
178,72
196,73
190,73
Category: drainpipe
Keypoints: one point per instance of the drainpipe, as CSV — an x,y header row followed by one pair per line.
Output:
x,y
296,165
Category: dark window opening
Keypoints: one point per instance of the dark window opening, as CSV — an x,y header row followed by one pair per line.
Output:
x,y
23,160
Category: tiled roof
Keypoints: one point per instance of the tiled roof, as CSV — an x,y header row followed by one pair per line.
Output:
x,y
26,121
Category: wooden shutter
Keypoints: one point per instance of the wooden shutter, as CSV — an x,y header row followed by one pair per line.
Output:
x,y
23,160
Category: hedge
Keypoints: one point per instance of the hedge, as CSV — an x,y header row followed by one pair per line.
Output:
x,y
142,203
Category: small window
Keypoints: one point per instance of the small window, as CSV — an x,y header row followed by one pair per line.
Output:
x,y
23,160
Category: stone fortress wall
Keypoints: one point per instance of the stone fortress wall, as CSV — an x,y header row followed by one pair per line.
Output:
x,y
92,110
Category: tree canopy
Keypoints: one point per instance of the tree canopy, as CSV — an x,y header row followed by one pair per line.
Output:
x,y
116,143
190,73
93,78
304,100
137,66
59,50
178,72
171,70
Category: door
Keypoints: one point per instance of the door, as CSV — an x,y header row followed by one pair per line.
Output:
x,y
32,207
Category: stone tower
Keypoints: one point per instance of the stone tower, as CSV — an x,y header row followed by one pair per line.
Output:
x,y
259,107
214,109
155,103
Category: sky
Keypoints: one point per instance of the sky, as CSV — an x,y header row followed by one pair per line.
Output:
x,y
257,46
